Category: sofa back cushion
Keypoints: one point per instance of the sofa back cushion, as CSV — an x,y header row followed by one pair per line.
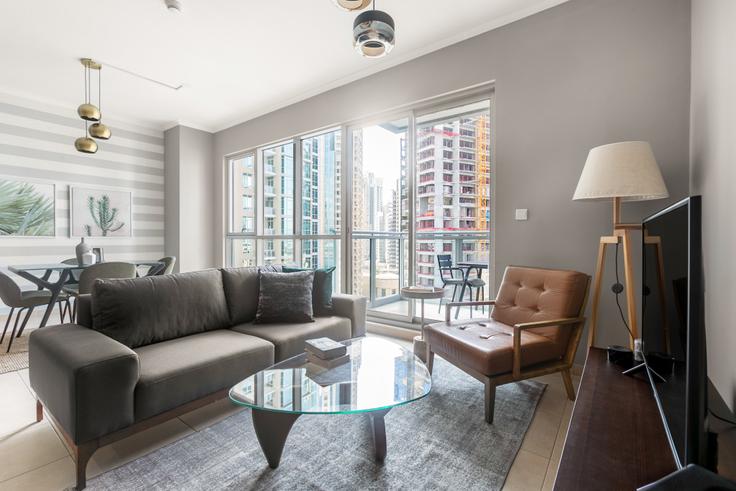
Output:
x,y
535,294
242,287
143,311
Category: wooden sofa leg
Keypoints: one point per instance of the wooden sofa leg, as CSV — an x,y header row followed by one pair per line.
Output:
x,y
39,411
490,397
430,360
82,455
568,384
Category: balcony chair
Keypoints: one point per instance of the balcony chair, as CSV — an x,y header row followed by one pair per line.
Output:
x,y
534,329
447,276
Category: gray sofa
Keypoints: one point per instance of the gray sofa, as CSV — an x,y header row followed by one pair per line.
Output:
x,y
146,350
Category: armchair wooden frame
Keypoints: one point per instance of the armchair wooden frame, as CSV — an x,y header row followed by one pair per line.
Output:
x,y
518,373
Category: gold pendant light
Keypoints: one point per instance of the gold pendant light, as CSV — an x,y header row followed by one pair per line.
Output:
x,y
89,112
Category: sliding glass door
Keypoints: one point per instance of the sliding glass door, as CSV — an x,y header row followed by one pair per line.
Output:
x,y
379,237
453,190
421,195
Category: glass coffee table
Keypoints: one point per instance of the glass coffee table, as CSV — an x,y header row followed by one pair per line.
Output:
x,y
379,376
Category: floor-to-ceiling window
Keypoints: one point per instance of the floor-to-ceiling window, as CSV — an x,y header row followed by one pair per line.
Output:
x,y
285,204
385,202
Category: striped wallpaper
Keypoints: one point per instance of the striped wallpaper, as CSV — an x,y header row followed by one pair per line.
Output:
x,y
37,143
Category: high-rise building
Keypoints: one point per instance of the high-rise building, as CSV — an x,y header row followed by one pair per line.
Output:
x,y
453,190
321,198
359,247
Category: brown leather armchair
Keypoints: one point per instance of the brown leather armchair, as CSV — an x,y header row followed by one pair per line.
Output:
x,y
534,329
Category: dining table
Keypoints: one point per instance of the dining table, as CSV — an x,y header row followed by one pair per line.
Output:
x,y
467,267
40,275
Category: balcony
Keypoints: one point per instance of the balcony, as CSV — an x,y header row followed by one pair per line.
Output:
x,y
380,276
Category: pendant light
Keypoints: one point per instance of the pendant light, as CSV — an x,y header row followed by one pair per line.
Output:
x,y
89,112
373,33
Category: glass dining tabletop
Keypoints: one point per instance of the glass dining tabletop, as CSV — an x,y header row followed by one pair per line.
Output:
x,y
379,375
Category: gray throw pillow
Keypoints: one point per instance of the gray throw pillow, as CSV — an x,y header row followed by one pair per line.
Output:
x,y
285,297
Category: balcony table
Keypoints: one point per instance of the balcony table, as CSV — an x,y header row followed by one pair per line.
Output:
x,y
65,270
420,346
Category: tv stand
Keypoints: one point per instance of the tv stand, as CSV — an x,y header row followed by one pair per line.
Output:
x,y
616,439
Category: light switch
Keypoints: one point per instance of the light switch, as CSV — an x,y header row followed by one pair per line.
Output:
x,y
522,214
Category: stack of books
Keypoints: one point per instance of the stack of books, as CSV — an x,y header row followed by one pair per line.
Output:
x,y
325,352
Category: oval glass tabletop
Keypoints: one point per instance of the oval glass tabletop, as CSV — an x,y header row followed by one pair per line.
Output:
x,y
379,375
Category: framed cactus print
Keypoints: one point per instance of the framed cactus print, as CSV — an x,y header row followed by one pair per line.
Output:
x,y
27,208
100,212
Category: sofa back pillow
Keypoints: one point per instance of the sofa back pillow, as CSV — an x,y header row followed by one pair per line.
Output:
x,y
321,289
285,297
242,290
148,310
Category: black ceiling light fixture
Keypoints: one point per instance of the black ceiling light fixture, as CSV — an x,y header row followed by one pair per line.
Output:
x,y
373,33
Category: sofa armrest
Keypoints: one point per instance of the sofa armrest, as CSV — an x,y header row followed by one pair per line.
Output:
x,y
85,379
354,308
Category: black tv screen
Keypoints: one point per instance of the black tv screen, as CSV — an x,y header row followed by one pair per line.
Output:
x,y
673,331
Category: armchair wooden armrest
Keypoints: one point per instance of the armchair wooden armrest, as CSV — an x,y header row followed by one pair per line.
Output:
x,y
530,325
449,306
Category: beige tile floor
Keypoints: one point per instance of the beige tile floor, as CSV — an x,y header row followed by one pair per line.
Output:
x,y
33,457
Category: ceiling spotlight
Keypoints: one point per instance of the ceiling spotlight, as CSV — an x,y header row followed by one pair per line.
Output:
x,y
373,33
352,5
174,6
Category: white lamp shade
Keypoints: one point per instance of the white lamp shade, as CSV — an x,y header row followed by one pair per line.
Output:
x,y
626,170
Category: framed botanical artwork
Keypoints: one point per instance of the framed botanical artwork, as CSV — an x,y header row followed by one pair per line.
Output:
x,y
27,208
100,212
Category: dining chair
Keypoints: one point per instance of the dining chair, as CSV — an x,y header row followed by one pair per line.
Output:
x,y
168,266
447,275
12,296
101,271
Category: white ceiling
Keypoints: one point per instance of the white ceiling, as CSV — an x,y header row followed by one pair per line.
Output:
x,y
237,59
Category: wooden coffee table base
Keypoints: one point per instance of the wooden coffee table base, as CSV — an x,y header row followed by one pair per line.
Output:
x,y
272,428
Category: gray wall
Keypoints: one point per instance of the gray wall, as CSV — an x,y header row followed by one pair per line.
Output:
x,y
585,73
171,208
713,174
190,195
37,143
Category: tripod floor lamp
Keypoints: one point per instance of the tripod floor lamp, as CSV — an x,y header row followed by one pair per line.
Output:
x,y
625,171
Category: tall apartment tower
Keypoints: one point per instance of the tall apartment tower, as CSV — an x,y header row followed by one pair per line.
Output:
x,y
321,198
359,247
453,184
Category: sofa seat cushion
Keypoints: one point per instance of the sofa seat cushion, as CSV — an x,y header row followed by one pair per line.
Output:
x,y
289,338
181,370
492,356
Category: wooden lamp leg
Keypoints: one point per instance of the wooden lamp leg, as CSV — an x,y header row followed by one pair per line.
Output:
x,y
629,280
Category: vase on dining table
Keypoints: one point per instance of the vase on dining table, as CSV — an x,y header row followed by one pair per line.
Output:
x,y
82,249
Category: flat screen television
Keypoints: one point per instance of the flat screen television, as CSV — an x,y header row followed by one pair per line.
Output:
x,y
673,327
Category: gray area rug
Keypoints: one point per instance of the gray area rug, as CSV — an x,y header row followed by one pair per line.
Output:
x,y
439,442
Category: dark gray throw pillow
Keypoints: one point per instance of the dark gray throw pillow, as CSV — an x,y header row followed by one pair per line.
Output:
x,y
321,289
285,297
